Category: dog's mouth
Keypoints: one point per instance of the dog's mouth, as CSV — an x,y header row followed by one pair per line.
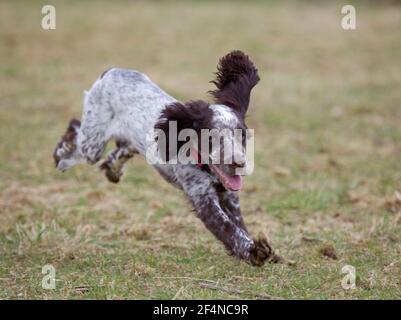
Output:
x,y
231,182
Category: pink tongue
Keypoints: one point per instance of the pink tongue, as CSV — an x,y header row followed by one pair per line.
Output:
x,y
234,182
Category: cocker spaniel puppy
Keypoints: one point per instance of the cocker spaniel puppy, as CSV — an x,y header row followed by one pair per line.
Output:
x,y
128,107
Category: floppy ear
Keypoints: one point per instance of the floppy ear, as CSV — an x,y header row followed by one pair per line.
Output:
x,y
194,115
235,77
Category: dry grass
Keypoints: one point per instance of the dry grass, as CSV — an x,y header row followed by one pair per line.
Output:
x,y
326,119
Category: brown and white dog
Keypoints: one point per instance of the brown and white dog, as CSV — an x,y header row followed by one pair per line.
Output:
x,y
126,105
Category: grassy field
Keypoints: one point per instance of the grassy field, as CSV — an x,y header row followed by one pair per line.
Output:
x,y
326,116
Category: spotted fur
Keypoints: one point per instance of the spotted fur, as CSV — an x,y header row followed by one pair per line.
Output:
x,y
126,105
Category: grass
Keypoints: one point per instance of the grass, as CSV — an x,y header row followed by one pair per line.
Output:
x,y
326,118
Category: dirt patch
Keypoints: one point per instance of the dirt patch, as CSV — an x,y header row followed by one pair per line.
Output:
x,y
328,251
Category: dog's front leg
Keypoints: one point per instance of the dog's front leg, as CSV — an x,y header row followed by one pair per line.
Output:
x,y
229,201
235,239
203,195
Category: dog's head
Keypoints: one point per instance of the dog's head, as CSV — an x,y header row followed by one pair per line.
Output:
x,y
220,127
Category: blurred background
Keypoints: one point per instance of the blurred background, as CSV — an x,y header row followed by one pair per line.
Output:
x,y
326,116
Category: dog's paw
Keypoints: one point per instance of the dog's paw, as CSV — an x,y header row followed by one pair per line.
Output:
x,y
260,252
65,164
110,174
65,154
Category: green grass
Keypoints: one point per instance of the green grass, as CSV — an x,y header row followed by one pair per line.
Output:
x,y
326,116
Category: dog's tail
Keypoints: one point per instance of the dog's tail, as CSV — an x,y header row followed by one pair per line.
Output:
x,y
235,77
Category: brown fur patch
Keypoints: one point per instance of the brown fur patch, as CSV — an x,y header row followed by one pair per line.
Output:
x,y
190,115
68,138
236,76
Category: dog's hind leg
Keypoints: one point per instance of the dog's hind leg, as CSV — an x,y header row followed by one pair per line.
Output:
x,y
66,153
97,119
113,165
86,140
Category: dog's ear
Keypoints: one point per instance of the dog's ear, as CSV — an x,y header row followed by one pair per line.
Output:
x,y
235,77
194,115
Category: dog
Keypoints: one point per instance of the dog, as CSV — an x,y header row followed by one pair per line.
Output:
x,y
126,105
